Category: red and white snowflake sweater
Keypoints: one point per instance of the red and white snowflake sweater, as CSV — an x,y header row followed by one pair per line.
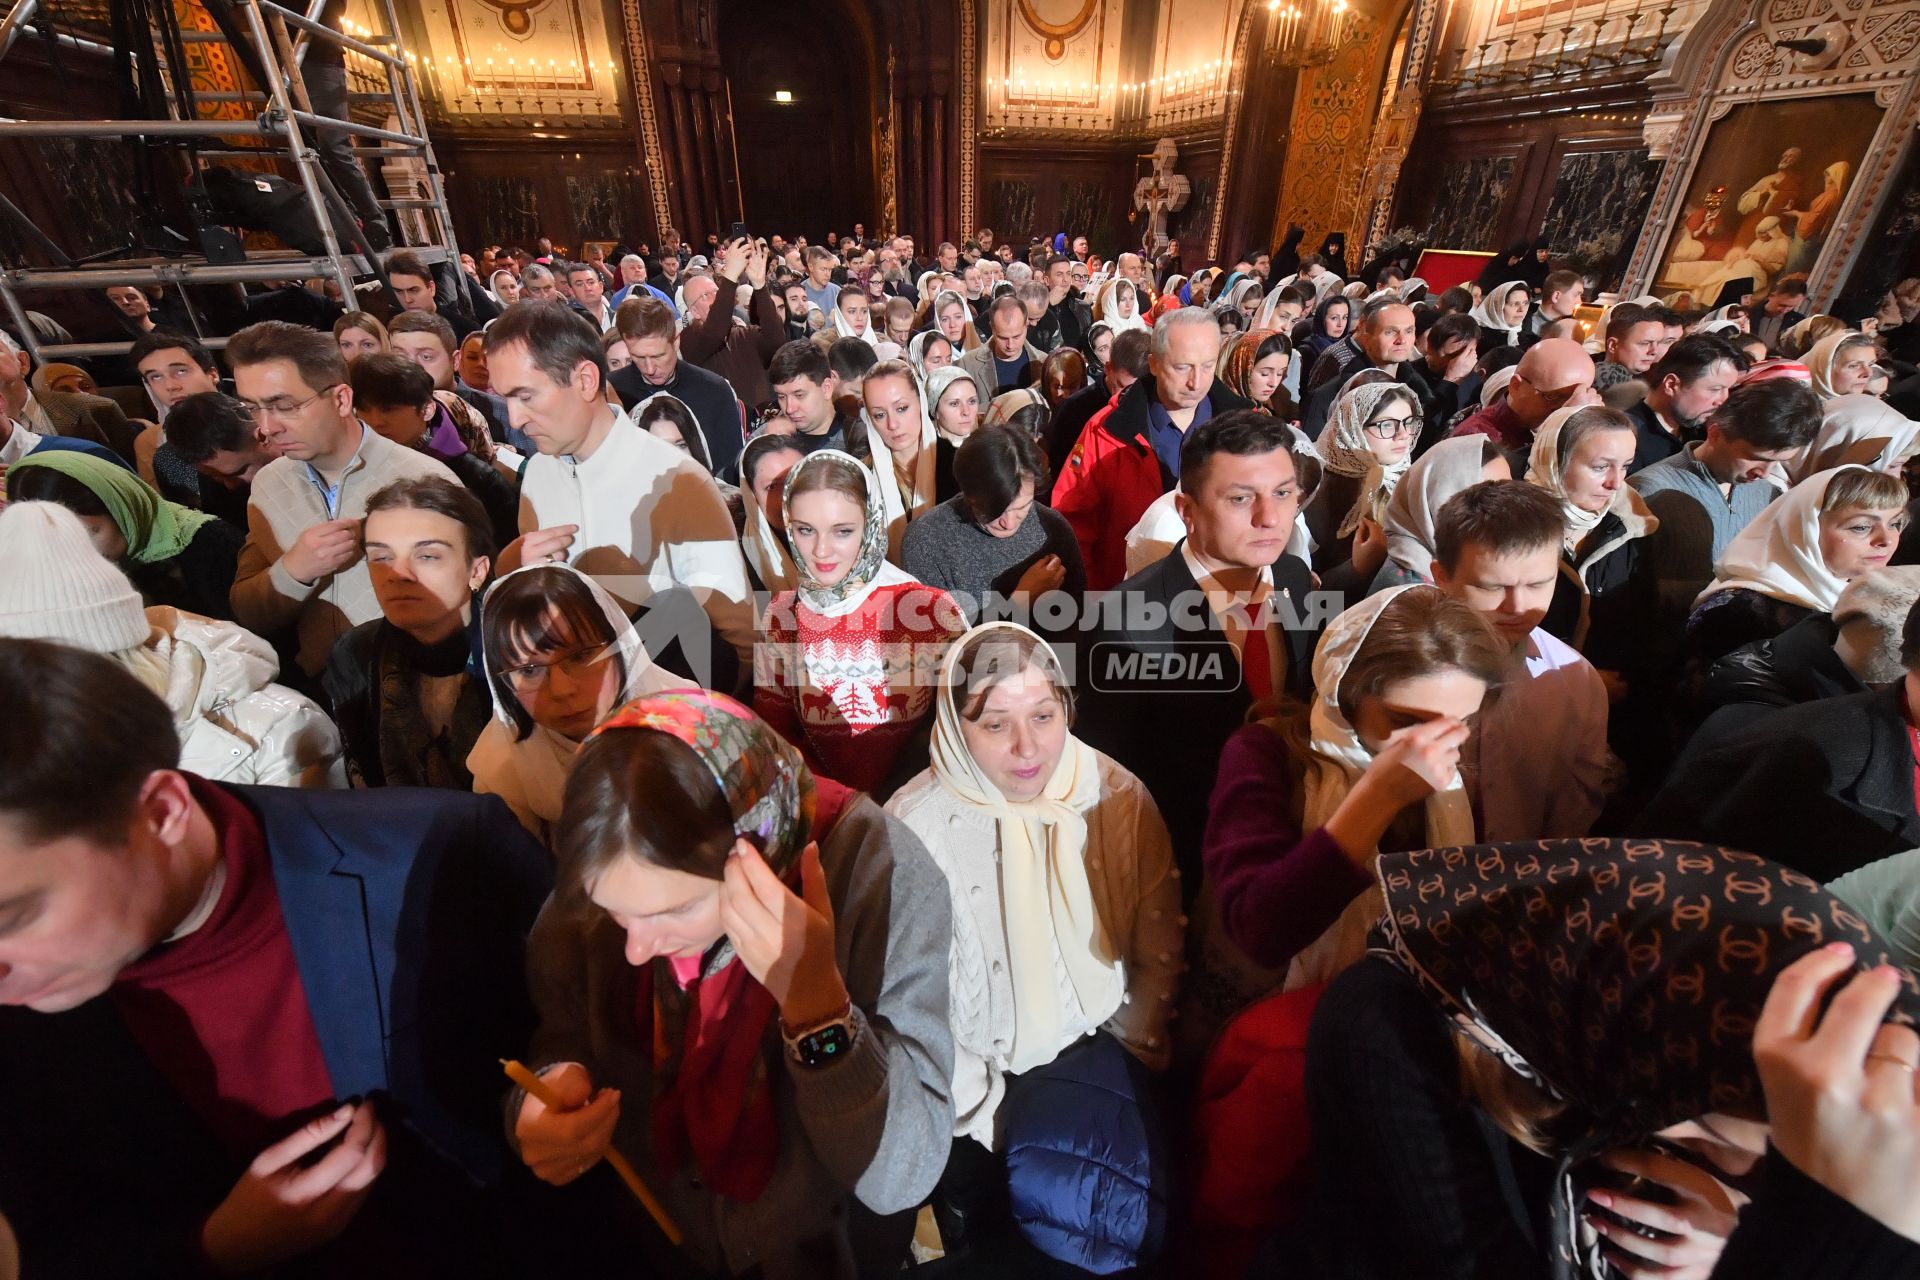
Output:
x,y
851,690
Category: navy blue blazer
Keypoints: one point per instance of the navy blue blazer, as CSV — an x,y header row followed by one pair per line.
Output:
x,y
408,911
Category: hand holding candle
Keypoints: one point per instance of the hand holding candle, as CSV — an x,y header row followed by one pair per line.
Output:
x,y
565,1128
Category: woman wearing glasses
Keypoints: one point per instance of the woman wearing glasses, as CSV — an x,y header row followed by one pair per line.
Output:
x,y
1367,445
560,655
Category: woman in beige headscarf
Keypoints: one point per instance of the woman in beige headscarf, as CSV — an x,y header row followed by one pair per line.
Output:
x,y
1841,364
1066,904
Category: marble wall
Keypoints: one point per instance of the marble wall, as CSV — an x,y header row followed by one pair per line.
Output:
x,y
1088,209
1012,211
509,210
1599,202
599,201
91,181
1467,202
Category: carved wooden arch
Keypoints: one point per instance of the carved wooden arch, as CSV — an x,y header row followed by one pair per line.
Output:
x,y
1726,59
1058,33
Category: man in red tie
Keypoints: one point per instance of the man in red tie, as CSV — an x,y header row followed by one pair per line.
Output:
x,y
1177,654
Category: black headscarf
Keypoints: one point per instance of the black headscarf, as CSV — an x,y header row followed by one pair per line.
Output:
x,y
1502,267
1286,259
1623,977
1333,251
1318,340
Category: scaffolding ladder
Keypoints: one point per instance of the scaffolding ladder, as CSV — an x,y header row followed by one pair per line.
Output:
x,y
275,39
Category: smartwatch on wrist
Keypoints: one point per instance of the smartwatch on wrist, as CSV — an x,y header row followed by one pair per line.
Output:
x,y
823,1043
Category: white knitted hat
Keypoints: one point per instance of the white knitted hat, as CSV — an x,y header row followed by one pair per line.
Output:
x,y
55,586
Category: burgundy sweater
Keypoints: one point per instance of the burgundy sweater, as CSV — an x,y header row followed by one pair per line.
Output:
x,y
222,1012
1277,888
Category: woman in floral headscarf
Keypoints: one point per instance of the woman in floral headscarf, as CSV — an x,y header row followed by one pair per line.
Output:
x,y
1550,1051
1367,445
754,963
845,670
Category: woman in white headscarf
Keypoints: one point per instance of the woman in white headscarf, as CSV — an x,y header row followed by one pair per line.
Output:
x,y
859,326
952,315
1604,598
1796,557
1305,800
560,655
912,464
1841,364
1502,315
929,351
955,403
1067,918
1367,446
1118,306
1857,430
1242,296
1451,466
847,659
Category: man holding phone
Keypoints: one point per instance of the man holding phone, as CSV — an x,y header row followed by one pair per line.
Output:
x,y
738,352
301,568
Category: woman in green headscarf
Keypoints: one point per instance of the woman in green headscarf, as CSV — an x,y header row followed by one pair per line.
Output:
x,y
176,556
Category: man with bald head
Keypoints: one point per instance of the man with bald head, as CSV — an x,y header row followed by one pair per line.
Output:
x,y
1554,373
1385,342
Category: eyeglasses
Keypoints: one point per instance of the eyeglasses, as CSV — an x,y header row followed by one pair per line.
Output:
x,y
283,408
1555,398
1390,428
575,663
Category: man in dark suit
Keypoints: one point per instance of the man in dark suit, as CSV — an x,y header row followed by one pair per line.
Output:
x,y
248,1028
1171,660
1825,787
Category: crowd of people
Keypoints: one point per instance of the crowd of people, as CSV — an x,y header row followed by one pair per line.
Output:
x,y
1021,763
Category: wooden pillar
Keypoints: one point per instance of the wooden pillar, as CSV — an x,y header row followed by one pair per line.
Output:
x,y
938,210
723,144
698,108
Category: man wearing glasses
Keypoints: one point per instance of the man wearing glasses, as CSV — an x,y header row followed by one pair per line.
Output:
x,y
301,567
1554,373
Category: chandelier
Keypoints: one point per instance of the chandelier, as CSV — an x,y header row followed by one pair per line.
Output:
x,y
1308,33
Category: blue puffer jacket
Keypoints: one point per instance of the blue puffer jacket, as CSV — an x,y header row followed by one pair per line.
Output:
x,y
1087,1167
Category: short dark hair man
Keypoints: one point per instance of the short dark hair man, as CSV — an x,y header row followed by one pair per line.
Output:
x,y
652,339
1560,296
1686,385
1711,489
1228,586
805,392
240,977
426,338
1442,375
1131,451
638,515
1543,767
213,433
172,366
1781,311
1071,318
417,289
1633,338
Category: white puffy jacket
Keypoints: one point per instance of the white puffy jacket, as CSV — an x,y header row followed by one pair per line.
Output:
x,y
235,724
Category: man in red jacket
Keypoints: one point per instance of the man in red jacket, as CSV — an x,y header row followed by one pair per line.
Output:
x,y
1130,452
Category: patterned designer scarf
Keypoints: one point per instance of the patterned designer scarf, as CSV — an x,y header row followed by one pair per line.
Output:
x,y
1343,445
711,1097
1622,977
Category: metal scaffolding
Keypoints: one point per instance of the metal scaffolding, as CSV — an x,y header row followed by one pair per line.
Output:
x,y
269,41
